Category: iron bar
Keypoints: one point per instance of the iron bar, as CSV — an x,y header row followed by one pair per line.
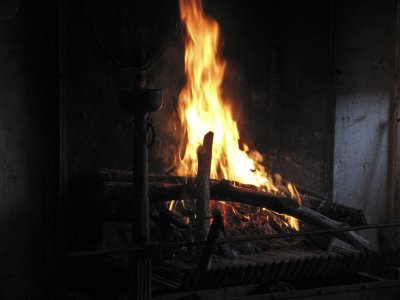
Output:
x,y
236,239
140,101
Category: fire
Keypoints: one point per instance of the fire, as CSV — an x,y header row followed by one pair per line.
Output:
x,y
294,194
203,109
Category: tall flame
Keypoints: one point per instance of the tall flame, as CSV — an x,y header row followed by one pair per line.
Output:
x,y
202,108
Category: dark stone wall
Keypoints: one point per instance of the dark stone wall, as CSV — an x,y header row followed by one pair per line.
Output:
x,y
28,145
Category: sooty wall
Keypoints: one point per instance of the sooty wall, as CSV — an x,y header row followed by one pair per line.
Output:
x,y
28,145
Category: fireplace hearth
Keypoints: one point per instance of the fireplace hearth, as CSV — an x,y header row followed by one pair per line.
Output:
x,y
213,214
263,264
270,171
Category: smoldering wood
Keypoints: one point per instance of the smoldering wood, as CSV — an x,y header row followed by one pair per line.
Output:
x,y
216,227
320,221
223,249
338,212
204,157
220,190
223,190
289,207
311,199
166,215
321,204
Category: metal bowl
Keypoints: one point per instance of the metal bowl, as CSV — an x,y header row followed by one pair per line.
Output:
x,y
141,100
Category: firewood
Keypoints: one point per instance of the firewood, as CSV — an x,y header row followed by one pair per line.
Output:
x,y
337,212
204,155
205,258
223,190
322,222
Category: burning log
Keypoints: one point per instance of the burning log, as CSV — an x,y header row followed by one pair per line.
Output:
x,y
223,190
204,154
284,205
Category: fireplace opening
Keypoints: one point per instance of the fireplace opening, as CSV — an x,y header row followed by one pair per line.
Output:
x,y
202,149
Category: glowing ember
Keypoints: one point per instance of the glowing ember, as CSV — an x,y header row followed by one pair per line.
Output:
x,y
202,109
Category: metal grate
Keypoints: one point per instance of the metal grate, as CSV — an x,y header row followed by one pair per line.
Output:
x,y
288,270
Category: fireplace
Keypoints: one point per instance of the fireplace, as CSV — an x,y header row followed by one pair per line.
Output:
x,y
300,197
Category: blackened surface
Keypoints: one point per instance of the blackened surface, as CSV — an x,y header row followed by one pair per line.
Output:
x,y
289,92
279,62
298,122
104,49
99,132
28,147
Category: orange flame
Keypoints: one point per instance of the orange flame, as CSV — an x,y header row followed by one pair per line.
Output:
x,y
202,108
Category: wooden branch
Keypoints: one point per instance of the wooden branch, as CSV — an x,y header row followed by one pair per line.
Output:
x,y
204,156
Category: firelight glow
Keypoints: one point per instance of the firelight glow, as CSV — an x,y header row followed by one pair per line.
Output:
x,y
202,108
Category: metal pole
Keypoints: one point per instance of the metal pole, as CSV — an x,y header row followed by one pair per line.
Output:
x,y
140,101
140,266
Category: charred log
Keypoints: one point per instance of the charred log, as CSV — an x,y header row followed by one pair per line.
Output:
x,y
227,191
311,199
205,258
337,212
